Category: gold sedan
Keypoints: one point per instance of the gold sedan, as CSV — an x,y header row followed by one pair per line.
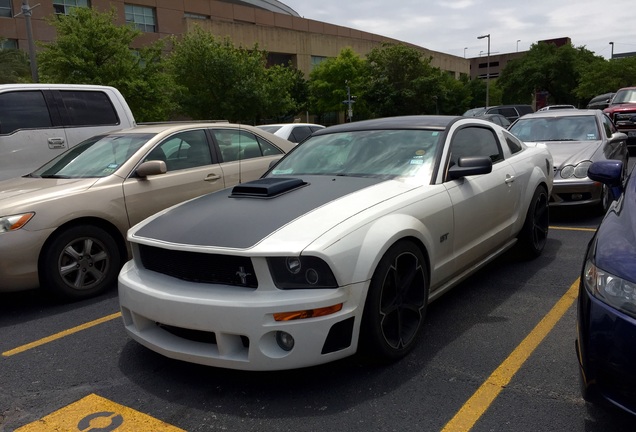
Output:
x,y
63,227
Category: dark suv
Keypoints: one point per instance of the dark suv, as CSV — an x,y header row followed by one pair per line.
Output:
x,y
511,112
622,111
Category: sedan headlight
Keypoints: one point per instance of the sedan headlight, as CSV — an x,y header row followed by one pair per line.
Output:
x,y
616,292
301,273
14,222
578,171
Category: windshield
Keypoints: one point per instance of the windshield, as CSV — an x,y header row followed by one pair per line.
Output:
x,y
374,153
475,112
570,128
98,156
625,96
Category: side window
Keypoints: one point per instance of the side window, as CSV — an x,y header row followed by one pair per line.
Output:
x,y
88,108
475,141
183,150
23,110
299,133
509,112
238,145
609,127
513,143
268,148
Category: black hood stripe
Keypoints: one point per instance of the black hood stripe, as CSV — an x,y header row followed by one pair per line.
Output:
x,y
221,221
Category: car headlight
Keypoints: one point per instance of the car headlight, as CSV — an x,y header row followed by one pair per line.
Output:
x,y
14,222
616,292
301,273
578,171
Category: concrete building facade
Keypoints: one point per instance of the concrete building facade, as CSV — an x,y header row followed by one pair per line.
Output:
x,y
275,27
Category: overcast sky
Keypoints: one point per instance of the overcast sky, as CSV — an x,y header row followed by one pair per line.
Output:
x,y
452,25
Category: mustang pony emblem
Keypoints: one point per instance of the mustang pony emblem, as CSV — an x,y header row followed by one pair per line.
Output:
x,y
242,275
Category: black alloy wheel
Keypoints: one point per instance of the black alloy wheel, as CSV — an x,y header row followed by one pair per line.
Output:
x,y
396,303
534,233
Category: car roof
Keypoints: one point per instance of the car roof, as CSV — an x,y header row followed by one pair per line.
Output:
x,y
562,113
290,124
403,122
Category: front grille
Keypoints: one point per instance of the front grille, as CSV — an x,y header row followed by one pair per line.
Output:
x,y
199,267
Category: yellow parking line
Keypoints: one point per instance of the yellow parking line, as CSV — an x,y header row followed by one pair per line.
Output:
x,y
572,228
59,335
481,400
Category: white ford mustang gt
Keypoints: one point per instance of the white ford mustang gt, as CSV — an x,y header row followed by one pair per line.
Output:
x,y
339,248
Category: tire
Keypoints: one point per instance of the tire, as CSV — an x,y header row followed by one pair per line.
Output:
x,y
605,202
396,303
534,234
80,262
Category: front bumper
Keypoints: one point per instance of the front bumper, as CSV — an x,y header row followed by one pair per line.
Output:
x,y
19,254
606,349
234,327
575,192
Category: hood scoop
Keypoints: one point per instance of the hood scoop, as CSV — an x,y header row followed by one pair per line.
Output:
x,y
266,187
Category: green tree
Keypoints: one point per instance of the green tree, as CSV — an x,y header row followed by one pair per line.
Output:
x,y
606,76
14,66
546,67
328,83
401,81
91,49
287,92
217,80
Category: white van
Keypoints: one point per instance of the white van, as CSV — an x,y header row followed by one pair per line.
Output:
x,y
40,121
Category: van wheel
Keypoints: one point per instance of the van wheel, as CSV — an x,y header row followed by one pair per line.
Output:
x,y
80,262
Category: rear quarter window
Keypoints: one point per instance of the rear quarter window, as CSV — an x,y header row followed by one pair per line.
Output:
x,y
88,108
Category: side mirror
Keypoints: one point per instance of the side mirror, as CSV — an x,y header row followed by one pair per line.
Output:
x,y
152,167
467,166
610,173
618,136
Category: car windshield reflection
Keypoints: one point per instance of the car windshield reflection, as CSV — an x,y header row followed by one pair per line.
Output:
x,y
99,156
377,153
571,128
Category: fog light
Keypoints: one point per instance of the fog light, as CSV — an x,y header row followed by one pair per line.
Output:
x,y
577,197
284,340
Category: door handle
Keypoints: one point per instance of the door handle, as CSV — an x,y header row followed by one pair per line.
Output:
x,y
56,142
212,177
509,178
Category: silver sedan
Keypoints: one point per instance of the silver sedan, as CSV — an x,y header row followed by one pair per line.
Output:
x,y
576,139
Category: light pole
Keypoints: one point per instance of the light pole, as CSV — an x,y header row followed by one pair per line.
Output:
x,y
487,68
465,52
26,11
612,44
518,40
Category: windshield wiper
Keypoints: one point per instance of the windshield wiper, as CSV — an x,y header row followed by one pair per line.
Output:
x,y
55,176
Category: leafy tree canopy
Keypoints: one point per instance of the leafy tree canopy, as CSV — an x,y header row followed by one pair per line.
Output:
x,y
91,49
14,66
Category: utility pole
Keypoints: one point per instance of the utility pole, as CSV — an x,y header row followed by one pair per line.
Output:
x,y
349,102
26,11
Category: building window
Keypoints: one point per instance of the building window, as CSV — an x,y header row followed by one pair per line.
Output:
x,y
64,7
5,9
195,16
8,44
316,60
141,17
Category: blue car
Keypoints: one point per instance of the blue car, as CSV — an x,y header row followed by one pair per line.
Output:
x,y
606,323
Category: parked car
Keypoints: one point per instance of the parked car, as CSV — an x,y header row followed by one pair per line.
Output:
x,y
622,111
339,247
496,119
606,319
576,138
511,112
63,226
601,101
555,107
40,121
294,132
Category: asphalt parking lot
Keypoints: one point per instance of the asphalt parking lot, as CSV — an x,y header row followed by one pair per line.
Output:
x,y
497,354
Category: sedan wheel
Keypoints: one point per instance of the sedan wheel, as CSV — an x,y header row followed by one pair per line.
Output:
x,y
534,233
396,303
80,262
